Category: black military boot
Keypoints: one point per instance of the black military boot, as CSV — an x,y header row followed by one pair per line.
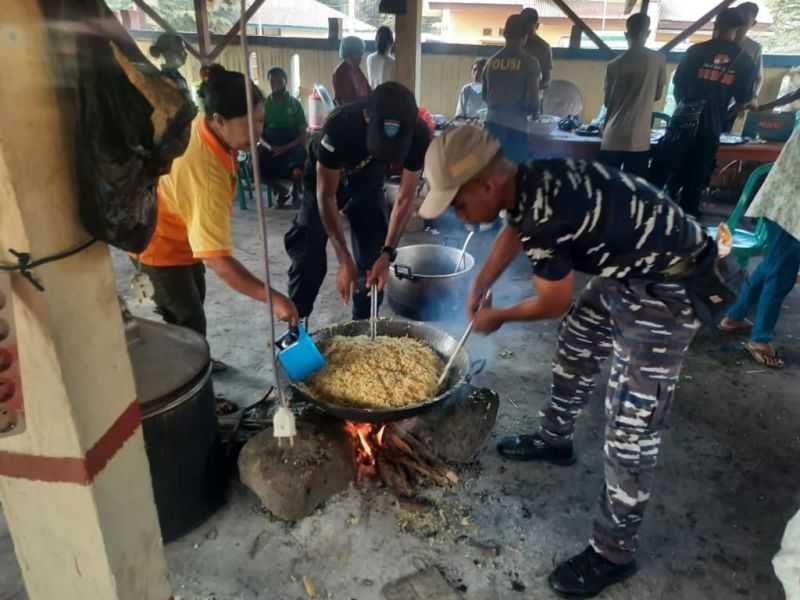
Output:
x,y
533,447
588,574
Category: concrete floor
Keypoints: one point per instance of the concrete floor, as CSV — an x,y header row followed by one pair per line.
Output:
x,y
727,482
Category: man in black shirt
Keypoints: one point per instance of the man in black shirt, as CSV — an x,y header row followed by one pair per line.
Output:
x,y
345,174
580,216
710,75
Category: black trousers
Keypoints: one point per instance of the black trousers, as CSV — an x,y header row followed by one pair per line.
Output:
x,y
693,175
635,163
179,294
280,167
363,202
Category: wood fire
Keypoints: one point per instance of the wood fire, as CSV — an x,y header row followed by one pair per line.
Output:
x,y
397,457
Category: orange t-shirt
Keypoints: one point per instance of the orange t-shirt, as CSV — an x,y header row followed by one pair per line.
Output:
x,y
195,200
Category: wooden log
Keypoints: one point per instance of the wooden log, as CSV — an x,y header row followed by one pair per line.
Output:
x,y
419,449
394,477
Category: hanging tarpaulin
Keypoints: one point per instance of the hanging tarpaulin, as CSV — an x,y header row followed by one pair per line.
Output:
x,y
132,121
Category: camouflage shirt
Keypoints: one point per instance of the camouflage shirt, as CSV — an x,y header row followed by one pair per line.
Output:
x,y
584,216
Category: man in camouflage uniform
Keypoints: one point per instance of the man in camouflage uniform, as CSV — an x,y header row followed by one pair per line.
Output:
x,y
639,245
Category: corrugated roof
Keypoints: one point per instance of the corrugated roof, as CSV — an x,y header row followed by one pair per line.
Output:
x,y
307,14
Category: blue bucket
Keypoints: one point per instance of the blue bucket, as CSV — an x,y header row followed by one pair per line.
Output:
x,y
298,354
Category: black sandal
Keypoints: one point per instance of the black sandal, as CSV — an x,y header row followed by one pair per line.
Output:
x,y
225,407
533,447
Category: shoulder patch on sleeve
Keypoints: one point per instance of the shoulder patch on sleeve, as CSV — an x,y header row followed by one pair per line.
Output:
x,y
325,142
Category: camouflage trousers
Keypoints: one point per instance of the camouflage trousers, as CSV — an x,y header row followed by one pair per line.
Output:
x,y
647,328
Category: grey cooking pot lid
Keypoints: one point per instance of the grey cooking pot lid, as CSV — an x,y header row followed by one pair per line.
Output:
x,y
165,358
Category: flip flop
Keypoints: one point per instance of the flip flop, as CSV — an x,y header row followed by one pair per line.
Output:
x,y
767,357
746,328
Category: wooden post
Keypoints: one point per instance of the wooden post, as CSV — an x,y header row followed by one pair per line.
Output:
x,y
203,33
335,31
408,46
696,26
75,485
575,35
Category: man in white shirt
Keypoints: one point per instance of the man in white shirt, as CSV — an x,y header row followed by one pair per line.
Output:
x,y
380,64
470,102
749,10
634,81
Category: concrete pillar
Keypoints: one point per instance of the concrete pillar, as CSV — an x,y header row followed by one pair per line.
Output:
x,y
75,484
408,46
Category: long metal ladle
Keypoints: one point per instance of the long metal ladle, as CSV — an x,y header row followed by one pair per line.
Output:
x,y
463,252
461,342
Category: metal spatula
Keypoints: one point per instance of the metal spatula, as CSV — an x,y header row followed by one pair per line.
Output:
x,y
460,345
373,312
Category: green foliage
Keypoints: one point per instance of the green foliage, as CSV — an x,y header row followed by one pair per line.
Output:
x,y
784,34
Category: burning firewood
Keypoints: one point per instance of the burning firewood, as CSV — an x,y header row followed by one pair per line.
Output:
x,y
394,477
397,457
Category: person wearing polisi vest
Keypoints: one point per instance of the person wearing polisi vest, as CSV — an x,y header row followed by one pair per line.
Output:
x,y
511,90
345,174
643,253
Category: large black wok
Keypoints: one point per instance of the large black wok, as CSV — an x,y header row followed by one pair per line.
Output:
x,y
442,343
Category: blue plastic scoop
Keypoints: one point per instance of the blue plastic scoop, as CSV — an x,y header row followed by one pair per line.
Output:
x,y
298,354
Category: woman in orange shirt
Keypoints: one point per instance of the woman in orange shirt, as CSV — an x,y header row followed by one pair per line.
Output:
x,y
195,200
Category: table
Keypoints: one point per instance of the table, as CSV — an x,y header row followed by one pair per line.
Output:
x,y
560,144
752,152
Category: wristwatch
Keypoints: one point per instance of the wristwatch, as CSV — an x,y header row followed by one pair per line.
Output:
x,y
391,251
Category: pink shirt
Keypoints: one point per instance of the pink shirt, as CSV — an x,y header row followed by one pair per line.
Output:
x,y
349,84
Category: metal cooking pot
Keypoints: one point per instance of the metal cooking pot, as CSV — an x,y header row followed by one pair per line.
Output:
x,y
172,370
422,284
442,343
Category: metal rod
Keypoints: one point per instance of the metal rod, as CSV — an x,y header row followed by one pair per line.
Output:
x,y
373,313
463,251
451,361
262,230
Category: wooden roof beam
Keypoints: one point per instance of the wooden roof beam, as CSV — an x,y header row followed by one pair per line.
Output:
x,y
164,24
689,31
233,31
583,25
